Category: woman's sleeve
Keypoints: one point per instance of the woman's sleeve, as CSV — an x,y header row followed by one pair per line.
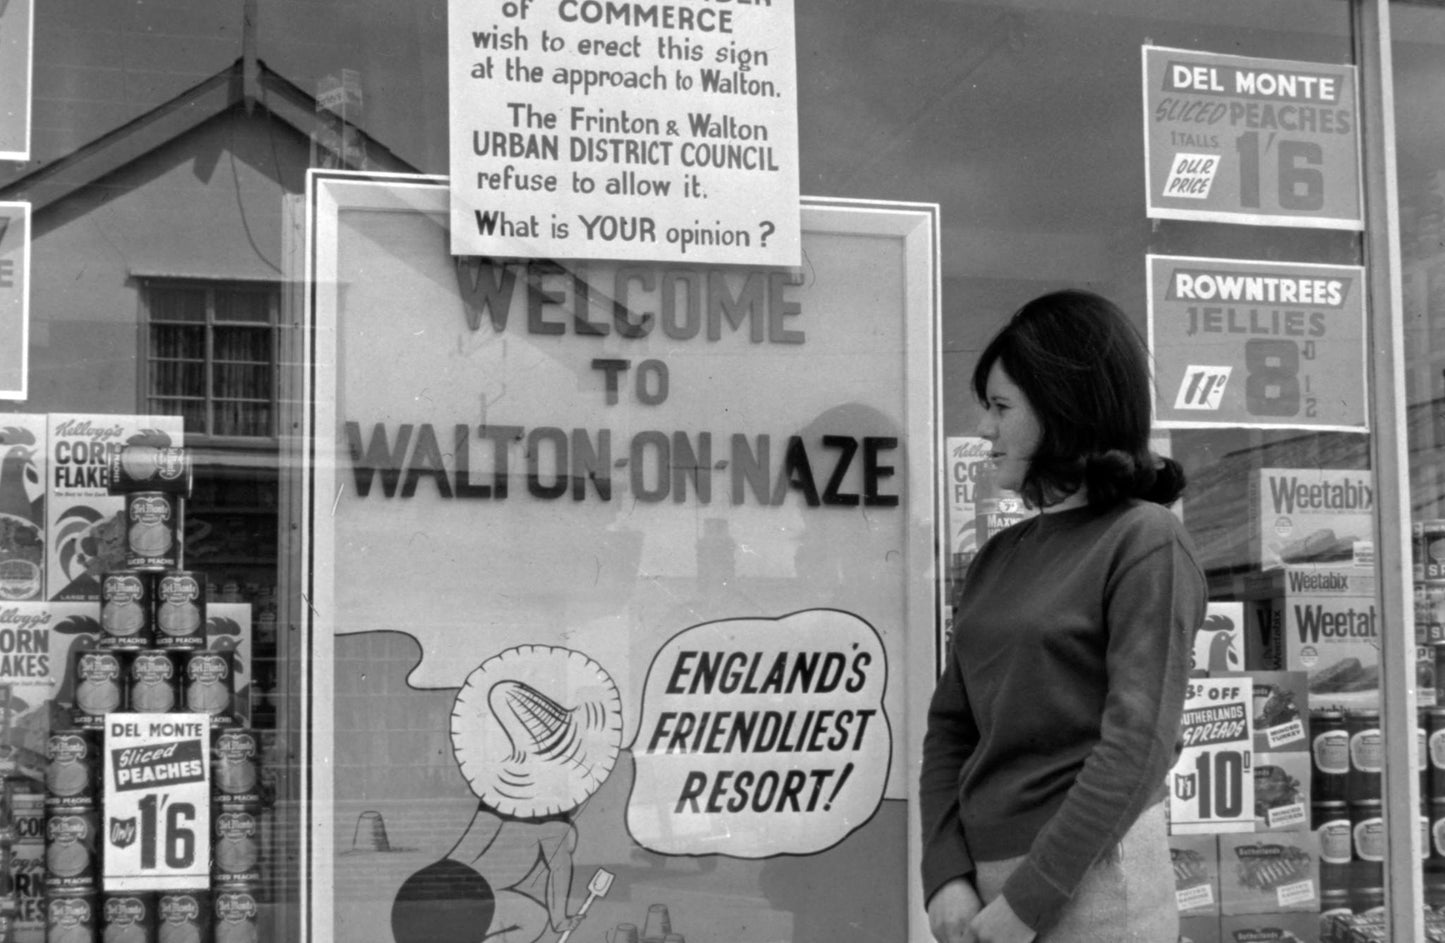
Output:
x,y
1154,603
949,738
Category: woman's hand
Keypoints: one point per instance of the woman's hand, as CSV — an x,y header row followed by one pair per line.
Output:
x,y
952,908
997,923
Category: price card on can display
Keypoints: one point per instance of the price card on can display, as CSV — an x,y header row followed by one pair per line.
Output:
x,y
1270,345
1211,787
157,812
1266,142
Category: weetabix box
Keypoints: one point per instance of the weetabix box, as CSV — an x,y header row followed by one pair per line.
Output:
x,y
1309,517
1269,873
85,523
22,506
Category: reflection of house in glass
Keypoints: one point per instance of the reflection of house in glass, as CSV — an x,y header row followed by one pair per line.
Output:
x,y
157,259
189,195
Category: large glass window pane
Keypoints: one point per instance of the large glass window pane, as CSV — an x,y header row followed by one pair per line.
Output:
x,y
166,179
1419,33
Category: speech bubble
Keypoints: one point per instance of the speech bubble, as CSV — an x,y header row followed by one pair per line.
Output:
x,y
761,737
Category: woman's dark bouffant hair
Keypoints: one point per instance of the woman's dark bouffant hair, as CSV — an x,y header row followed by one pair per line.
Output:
x,y
1085,371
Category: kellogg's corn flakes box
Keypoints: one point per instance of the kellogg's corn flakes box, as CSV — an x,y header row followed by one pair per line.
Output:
x,y
86,524
22,506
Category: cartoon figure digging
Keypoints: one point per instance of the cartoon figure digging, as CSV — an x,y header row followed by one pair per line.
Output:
x,y
535,730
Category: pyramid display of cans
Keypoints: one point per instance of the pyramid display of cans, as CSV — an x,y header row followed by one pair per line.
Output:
x,y
152,658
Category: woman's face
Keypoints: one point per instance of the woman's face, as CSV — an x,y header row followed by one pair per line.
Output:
x,y
1011,426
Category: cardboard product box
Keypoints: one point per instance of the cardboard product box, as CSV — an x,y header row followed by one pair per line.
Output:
x,y
1270,928
85,523
1281,792
22,506
1264,591
1311,516
1195,928
1269,873
27,877
1334,639
228,629
1219,645
1196,873
1281,710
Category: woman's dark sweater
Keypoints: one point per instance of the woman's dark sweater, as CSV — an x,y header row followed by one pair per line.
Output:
x,y
1057,716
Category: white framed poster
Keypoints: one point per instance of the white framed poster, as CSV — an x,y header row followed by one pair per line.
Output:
x,y
17,65
1266,345
594,130
1240,139
679,518
15,298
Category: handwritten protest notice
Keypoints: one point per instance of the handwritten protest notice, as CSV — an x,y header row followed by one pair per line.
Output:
x,y
1257,344
1267,142
14,299
1211,788
761,736
629,131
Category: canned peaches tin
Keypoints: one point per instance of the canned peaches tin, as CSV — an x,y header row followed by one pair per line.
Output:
x,y
155,682
210,684
181,611
153,530
125,610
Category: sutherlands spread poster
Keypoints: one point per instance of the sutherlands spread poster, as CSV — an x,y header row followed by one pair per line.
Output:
x,y
623,582
582,129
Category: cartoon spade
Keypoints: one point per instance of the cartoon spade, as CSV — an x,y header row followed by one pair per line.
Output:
x,y
535,730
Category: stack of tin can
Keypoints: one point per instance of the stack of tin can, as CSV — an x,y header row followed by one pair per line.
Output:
x,y
152,658
236,825
73,817
1348,816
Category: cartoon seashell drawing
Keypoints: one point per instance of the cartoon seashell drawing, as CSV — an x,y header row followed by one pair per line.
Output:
x,y
536,730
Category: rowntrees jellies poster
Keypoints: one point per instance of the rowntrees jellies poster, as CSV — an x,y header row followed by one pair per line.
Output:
x,y
622,577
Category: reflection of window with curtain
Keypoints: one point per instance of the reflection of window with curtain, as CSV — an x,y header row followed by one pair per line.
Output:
x,y
211,356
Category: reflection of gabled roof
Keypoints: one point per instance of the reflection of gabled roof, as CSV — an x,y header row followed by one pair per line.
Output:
x,y
226,90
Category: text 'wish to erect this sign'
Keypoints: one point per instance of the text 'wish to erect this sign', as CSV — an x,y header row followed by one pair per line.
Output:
x,y
630,131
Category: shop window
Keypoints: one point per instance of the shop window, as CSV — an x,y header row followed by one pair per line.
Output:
x,y
210,356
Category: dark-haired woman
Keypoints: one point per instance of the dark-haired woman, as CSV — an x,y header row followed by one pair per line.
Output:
x,y
1053,728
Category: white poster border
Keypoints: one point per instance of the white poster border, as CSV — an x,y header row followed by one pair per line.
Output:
x,y
1164,424
27,9
22,390
1153,211
328,194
